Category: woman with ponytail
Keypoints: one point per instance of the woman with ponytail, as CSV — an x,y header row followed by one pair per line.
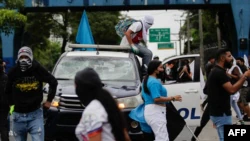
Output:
x,y
155,98
101,119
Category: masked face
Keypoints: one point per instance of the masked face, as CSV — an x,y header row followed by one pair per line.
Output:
x,y
25,64
147,25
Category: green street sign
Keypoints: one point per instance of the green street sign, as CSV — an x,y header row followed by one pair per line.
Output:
x,y
166,46
159,35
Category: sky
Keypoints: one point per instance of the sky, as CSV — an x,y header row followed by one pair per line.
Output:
x,y
162,19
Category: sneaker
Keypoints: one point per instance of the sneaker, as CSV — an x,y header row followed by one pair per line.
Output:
x,y
240,122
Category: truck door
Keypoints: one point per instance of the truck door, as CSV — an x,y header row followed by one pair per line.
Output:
x,y
182,77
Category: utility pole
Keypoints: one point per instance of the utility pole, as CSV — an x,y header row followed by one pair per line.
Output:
x,y
218,31
175,43
201,41
180,34
188,32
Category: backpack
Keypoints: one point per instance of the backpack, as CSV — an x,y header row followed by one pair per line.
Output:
x,y
122,26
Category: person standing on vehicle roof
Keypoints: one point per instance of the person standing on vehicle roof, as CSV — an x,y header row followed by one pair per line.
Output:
x,y
136,37
25,90
219,89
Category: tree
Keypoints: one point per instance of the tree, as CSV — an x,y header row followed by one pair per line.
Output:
x,y
103,27
9,17
37,31
101,23
209,28
64,25
48,57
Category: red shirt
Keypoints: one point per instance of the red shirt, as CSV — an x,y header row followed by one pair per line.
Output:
x,y
137,38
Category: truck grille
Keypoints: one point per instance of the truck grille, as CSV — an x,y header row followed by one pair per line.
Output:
x,y
70,102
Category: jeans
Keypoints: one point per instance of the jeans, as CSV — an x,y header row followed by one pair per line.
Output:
x,y
32,123
219,122
146,56
236,107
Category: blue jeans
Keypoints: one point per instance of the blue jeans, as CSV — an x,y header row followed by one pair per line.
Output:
x,y
146,56
220,122
236,107
32,123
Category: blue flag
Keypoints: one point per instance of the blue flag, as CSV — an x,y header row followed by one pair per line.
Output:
x,y
84,34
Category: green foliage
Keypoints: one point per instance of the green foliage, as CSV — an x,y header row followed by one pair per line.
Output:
x,y
48,56
102,26
209,28
38,29
10,19
12,4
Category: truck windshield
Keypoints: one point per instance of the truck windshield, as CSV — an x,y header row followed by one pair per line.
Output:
x,y
109,69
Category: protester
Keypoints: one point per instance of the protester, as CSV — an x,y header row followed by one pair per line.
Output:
x,y
204,106
208,68
234,73
4,107
136,37
219,89
101,120
25,91
243,103
156,57
184,72
209,65
155,98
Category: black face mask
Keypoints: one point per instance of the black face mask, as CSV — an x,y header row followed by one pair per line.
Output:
x,y
228,65
159,75
238,64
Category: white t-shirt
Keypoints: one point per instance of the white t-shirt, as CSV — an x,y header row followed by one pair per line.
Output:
x,y
94,120
135,27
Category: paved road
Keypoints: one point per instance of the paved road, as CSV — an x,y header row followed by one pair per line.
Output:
x,y
207,134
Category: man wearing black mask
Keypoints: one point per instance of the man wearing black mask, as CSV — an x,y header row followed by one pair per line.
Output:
x,y
25,90
220,88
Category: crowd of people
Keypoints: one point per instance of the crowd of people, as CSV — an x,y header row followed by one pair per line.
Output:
x,y
227,85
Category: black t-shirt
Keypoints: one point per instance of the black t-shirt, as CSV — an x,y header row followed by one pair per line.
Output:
x,y
218,97
243,68
208,68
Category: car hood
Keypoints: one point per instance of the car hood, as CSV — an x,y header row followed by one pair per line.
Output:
x,y
118,89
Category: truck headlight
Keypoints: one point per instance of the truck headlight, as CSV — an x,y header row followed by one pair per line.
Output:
x,y
55,101
129,102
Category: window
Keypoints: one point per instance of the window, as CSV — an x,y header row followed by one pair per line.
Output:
x,y
108,68
179,70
